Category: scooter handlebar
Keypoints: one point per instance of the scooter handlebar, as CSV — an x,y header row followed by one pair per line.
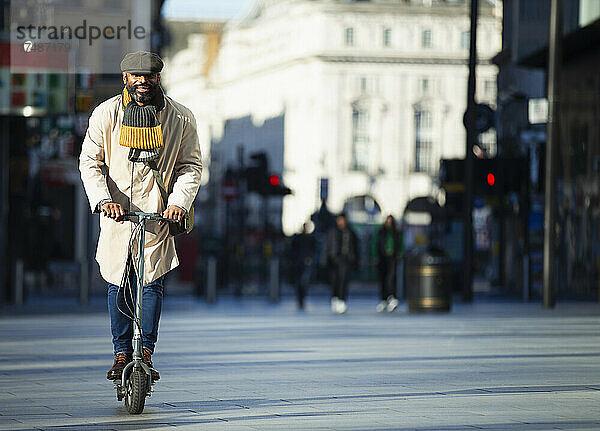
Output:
x,y
131,215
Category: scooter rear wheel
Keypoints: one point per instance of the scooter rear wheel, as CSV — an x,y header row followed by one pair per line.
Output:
x,y
136,392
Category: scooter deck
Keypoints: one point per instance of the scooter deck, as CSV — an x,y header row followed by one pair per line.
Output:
x,y
122,391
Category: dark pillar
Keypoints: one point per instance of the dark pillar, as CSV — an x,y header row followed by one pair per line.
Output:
x,y
552,141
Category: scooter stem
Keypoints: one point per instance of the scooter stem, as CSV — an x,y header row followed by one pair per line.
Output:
x,y
137,331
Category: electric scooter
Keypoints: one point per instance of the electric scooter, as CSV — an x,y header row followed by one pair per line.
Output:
x,y
136,381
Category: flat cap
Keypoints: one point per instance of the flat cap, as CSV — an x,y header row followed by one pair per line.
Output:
x,y
141,62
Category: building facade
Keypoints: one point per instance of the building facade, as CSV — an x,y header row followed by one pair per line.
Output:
x,y
371,93
522,76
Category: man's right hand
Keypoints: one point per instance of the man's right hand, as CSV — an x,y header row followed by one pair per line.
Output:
x,y
112,210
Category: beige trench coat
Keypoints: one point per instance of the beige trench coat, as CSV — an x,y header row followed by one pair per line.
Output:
x,y
107,173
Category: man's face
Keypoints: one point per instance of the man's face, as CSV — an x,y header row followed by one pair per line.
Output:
x,y
142,88
341,222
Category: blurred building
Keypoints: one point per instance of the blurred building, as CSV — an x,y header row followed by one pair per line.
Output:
x,y
366,95
524,30
522,89
192,50
189,58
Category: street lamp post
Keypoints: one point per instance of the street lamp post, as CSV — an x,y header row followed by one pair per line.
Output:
x,y
471,138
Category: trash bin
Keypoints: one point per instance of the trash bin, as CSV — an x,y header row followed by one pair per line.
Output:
x,y
428,280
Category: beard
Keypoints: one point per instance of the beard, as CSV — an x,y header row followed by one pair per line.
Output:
x,y
143,98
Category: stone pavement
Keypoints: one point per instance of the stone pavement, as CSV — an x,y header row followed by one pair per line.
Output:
x,y
251,365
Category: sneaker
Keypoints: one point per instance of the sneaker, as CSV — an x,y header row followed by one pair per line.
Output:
x,y
334,304
121,360
147,358
381,307
341,307
392,304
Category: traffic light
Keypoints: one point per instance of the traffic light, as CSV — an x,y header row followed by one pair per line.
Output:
x,y
487,176
490,176
276,188
259,180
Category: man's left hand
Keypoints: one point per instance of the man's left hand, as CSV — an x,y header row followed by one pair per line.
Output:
x,y
173,212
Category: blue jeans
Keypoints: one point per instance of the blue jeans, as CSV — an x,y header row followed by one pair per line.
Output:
x,y
121,326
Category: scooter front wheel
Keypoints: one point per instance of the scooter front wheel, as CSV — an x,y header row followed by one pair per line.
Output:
x,y
136,392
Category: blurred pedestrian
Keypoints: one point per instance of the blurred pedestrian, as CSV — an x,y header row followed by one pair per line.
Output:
x,y
302,253
132,139
389,247
341,256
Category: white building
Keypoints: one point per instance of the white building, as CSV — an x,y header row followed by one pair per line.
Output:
x,y
371,93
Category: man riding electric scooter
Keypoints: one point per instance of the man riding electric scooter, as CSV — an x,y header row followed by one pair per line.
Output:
x,y
140,154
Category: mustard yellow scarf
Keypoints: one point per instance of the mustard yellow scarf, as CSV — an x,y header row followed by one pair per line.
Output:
x,y
140,130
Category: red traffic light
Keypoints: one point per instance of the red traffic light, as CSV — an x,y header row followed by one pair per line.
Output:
x,y
491,179
274,180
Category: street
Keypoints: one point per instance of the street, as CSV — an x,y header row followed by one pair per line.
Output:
x,y
250,365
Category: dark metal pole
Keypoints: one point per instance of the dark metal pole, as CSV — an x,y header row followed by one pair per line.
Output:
x,y
240,246
471,138
552,141
525,207
228,247
4,264
81,243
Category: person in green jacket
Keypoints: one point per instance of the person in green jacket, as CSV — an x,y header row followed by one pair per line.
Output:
x,y
389,247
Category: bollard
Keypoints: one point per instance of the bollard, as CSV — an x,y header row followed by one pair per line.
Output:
x,y
274,291
211,280
19,282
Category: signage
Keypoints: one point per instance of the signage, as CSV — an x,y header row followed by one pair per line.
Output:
x,y
324,188
538,111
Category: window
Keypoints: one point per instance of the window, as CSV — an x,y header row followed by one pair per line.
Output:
x,y
425,87
387,37
423,142
349,36
360,138
363,85
489,88
422,156
426,39
425,122
465,39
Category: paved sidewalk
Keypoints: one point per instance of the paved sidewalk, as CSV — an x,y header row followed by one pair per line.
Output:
x,y
250,365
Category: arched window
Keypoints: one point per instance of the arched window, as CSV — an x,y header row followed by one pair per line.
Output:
x,y
360,138
423,141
